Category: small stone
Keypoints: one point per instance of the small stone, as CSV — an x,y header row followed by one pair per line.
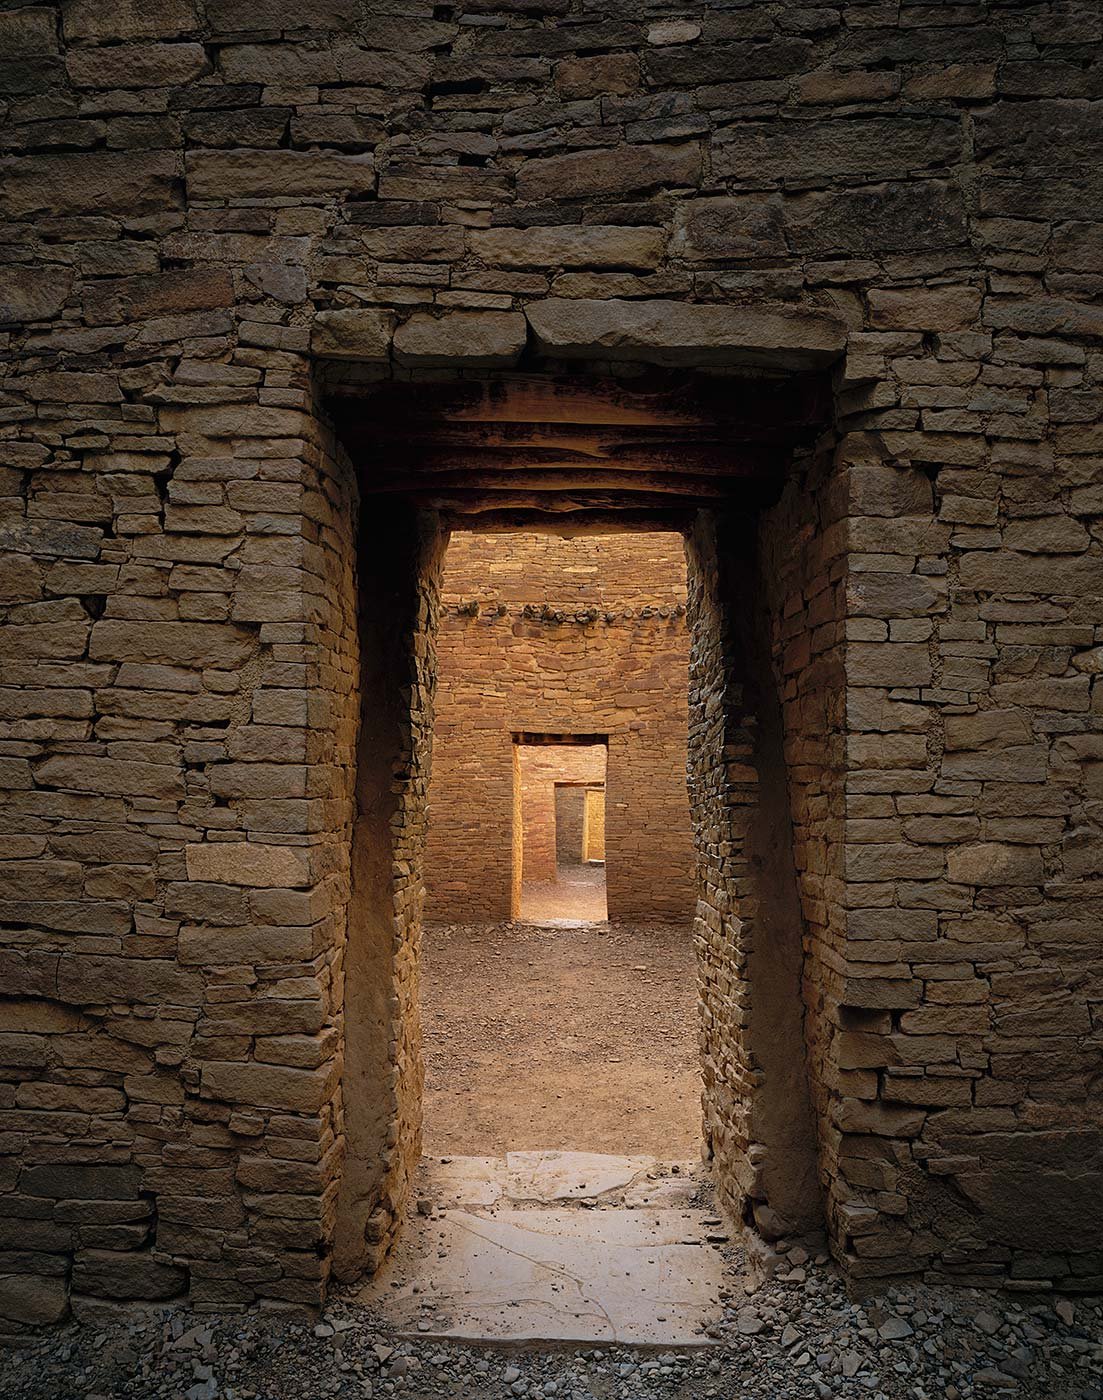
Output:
x,y
988,1323
894,1329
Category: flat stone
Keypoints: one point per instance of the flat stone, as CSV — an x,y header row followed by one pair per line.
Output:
x,y
125,1275
352,334
268,1086
248,863
619,170
570,1176
33,293
142,182
261,174
32,1299
544,1275
469,1182
681,333
476,339
588,245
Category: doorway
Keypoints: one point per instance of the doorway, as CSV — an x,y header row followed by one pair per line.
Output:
x,y
758,577
559,828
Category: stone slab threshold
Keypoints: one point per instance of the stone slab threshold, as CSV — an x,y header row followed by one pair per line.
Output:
x,y
556,1247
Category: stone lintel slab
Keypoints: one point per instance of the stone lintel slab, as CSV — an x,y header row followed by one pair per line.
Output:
x,y
468,339
353,333
678,333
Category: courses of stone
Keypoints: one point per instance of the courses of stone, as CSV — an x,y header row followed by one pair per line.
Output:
x,y
203,206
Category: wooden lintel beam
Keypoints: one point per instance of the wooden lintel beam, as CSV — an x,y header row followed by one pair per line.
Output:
x,y
729,459
549,502
567,480
595,522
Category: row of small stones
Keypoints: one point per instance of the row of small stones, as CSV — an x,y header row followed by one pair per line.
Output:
x,y
798,1338
543,612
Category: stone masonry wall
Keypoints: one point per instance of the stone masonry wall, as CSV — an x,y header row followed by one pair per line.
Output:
x,y
203,203
549,635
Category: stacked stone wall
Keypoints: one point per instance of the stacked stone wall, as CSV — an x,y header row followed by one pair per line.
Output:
x,y
545,635
202,201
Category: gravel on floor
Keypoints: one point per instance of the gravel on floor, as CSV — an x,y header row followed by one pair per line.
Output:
x,y
797,1337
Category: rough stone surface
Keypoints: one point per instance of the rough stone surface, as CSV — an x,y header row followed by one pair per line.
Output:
x,y
906,199
674,333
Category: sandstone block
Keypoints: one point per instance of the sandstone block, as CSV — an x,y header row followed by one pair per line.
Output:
x,y
241,16
1049,534
621,170
479,339
171,643
117,777
88,980
301,1051
22,1051
945,1020
137,65
248,946
859,1050
813,151
859,1116
131,183
40,879
33,1300
586,245
987,729
1007,571
97,21
69,1098
269,1086
743,228
27,32
361,333
888,664
37,1016
417,243
128,1275
599,76
924,309
268,174
680,333
991,863
33,293
894,595
1021,763
81,1181
248,863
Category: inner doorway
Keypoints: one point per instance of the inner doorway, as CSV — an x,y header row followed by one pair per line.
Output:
x,y
559,828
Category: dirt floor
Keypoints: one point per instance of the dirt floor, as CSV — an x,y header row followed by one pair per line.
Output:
x,y
580,1037
577,893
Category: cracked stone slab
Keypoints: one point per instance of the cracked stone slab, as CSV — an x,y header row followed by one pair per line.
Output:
x,y
570,1176
643,1277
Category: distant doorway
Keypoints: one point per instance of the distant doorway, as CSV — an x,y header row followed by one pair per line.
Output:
x,y
559,828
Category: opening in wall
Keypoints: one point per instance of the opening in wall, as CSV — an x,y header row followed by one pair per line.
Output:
x,y
556,879
710,502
